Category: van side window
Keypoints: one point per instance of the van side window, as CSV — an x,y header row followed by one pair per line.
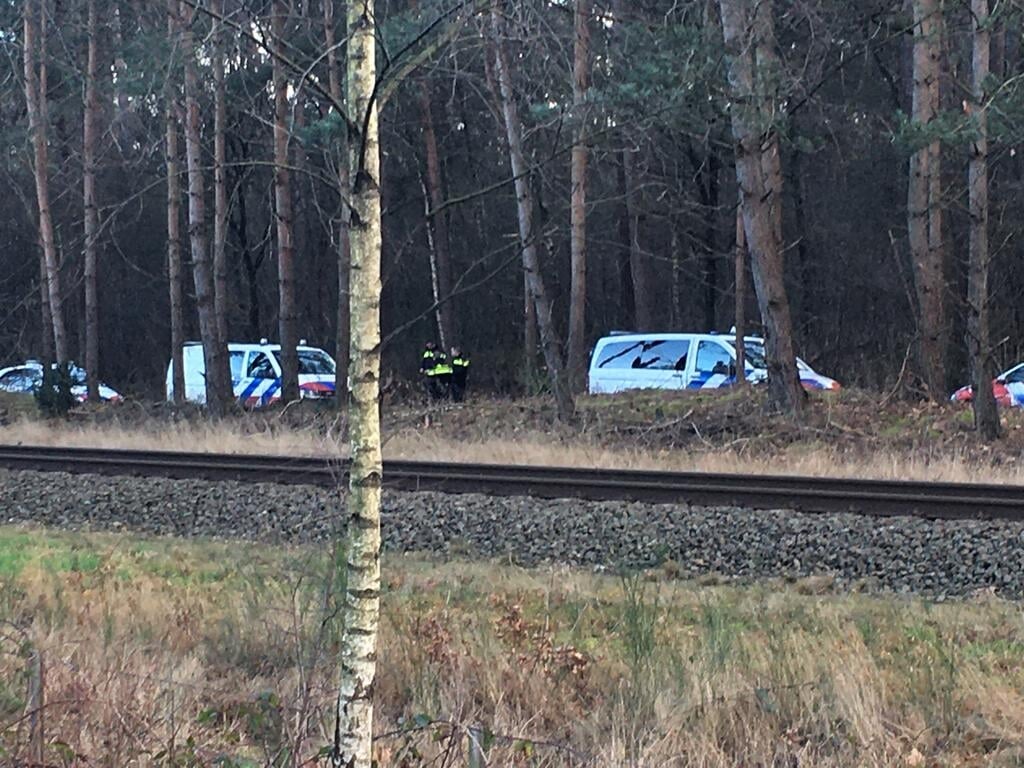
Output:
x,y
664,355
261,367
236,365
712,357
619,354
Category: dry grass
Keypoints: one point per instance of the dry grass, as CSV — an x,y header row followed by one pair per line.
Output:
x,y
162,652
532,447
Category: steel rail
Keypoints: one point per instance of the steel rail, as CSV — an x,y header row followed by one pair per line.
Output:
x,y
808,494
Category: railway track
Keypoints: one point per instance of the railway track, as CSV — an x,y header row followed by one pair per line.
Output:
x,y
807,494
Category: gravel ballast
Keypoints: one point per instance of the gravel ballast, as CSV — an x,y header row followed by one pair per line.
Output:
x,y
900,554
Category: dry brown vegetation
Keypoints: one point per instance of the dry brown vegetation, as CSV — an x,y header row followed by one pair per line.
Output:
x,y
164,652
852,434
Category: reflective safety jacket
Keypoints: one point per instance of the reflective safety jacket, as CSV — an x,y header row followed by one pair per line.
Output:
x,y
428,361
434,363
441,367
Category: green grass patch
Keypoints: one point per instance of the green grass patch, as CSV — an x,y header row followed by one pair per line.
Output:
x,y
633,669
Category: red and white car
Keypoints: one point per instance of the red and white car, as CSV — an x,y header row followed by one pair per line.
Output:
x,y
1008,387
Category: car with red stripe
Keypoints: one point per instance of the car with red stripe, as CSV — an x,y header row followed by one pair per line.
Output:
x,y
256,373
1008,388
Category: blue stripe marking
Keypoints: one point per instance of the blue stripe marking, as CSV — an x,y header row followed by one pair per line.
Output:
x,y
270,392
247,392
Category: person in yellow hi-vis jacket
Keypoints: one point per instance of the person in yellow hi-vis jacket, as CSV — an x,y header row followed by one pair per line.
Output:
x,y
436,372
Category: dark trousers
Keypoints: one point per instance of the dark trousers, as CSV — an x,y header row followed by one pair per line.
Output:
x,y
436,387
458,385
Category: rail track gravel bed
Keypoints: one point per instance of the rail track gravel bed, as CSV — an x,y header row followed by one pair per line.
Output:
x,y
898,554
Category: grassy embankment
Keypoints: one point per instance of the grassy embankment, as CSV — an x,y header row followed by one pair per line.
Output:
x,y
849,434
166,652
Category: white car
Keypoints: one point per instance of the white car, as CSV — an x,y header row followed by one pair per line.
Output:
x,y
682,361
256,373
25,379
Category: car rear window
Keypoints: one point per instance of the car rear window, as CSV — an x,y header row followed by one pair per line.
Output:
x,y
315,362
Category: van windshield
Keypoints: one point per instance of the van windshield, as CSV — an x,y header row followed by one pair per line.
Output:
x,y
756,359
315,362
755,354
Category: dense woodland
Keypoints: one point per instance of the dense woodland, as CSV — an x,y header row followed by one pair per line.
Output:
x,y
187,158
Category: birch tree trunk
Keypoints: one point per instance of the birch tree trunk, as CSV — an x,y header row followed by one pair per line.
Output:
x,y
341,355
283,201
578,199
218,374
38,117
550,343
120,70
354,735
924,201
749,43
441,267
91,218
220,183
979,345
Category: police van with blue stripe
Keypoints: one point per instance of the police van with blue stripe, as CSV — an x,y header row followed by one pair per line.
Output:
x,y
256,373
624,361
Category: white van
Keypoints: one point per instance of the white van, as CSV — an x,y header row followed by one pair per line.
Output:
x,y
256,373
681,361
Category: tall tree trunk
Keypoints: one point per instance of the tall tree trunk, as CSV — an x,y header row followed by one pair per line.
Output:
x,y
710,201
639,268
578,200
218,374
924,201
441,267
550,343
283,202
626,304
38,117
354,736
44,305
91,220
174,273
804,308
748,30
639,273
741,298
529,332
710,170
986,417
342,327
220,183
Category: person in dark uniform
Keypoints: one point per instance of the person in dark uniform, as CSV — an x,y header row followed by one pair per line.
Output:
x,y
460,372
429,363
